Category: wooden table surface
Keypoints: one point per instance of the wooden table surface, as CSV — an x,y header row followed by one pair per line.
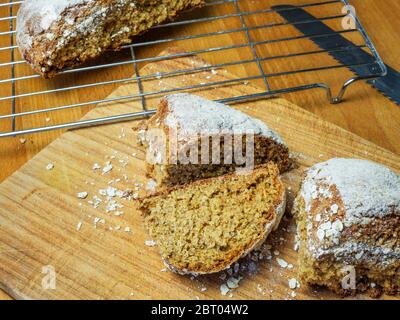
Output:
x,y
364,112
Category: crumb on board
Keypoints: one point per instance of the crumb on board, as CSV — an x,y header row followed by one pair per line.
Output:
x,y
82,195
50,166
151,185
293,283
79,226
108,167
224,289
96,166
282,263
150,243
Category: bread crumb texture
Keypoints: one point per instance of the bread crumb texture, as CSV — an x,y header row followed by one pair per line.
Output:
x,y
206,226
348,215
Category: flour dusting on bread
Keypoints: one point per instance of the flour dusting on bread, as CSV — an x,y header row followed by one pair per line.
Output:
x,y
194,114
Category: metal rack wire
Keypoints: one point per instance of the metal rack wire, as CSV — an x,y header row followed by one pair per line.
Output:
x,y
15,103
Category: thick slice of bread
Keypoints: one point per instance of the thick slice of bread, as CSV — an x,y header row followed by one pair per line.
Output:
x,y
208,225
186,121
348,216
57,34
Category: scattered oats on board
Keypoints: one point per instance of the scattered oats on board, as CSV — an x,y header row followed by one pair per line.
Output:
x,y
79,226
282,263
50,166
293,283
151,185
107,168
296,246
22,140
224,289
82,195
96,166
112,206
233,282
150,243
96,221
260,289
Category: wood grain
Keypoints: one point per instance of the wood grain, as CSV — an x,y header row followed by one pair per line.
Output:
x,y
365,112
40,211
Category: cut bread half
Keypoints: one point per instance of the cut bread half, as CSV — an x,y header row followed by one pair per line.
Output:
x,y
58,34
208,225
192,138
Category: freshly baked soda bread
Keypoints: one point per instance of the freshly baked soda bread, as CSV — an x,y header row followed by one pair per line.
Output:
x,y
348,216
194,143
58,34
206,226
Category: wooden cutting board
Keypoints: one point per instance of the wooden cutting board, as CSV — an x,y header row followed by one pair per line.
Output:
x,y
40,212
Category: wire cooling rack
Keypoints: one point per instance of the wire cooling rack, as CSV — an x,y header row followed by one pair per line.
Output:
x,y
30,104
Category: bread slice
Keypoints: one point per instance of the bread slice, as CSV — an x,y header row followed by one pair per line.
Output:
x,y
186,121
208,225
58,34
348,216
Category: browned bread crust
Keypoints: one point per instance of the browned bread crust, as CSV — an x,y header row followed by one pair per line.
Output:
x,y
58,34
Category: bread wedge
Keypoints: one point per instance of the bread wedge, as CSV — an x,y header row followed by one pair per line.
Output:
x,y
198,141
208,225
